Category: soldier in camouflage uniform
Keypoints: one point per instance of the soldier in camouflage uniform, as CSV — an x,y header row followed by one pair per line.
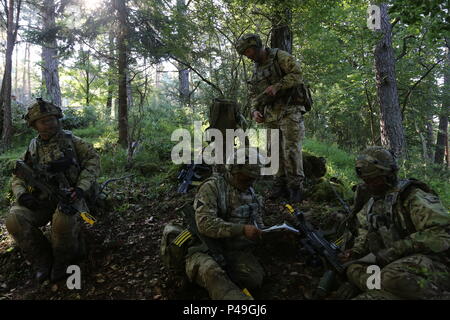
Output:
x,y
403,224
275,71
227,209
56,150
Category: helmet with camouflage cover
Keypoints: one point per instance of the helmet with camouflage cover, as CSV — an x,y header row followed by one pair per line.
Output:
x,y
248,40
246,160
41,109
374,162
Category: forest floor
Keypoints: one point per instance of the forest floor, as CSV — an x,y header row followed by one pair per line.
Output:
x,y
124,254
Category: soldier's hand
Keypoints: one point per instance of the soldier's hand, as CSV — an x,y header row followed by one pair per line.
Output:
x,y
271,91
386,256
345,256
29,201
258,117
76,194
252,232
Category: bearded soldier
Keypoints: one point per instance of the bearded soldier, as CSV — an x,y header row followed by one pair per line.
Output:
x,y
404,226
73,165
279,100
228,211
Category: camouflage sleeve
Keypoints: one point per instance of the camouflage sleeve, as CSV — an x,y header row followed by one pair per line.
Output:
x,y
254,105
18,185
89,163
291,68
206,214
431,221
360,247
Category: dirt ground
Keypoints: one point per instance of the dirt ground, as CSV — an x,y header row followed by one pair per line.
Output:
x,y
124,261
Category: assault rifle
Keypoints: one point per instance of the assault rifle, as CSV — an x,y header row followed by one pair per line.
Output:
x,y
213,245
188,175
41,179
314,244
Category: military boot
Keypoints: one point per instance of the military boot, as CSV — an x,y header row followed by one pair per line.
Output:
x,y
59,270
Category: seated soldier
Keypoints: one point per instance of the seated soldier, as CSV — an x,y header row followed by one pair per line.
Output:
x,y
404,225
226,211
73,165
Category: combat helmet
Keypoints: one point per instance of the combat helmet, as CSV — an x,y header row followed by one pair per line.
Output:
x,y
41,109
246,160
376,161
246,41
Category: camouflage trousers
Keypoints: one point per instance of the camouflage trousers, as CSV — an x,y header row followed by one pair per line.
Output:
x,y
291,135
246,270
23,224
412,277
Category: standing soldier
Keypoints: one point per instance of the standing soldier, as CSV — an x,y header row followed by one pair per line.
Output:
x,y
279,100
73,165
404,226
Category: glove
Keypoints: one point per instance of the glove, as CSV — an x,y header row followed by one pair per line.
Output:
x,y
77,194
59,165
386,256
347,291
29,201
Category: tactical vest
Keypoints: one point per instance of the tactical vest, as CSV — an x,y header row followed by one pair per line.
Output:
x,y
387,218
241,214
271,73
267,74
65,147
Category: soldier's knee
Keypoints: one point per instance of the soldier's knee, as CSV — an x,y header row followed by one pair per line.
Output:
x,y
63,223
15,221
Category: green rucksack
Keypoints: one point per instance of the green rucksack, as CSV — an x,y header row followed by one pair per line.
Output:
x,y
224,114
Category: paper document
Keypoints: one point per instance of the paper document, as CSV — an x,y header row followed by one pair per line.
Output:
x,y
280,226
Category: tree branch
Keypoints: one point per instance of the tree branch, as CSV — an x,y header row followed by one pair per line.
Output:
x,y
197,73
408,94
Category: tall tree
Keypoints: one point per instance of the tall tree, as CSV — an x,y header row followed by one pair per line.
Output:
x,y
11,31
121,7
50,50
442,136
183,72
392,131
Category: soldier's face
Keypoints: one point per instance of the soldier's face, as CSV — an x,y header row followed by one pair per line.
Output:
x,y
243,181
376,185
46,126
252,53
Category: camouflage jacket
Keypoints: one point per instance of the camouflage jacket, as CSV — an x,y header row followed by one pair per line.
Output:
x,y
41,152
221,210
282,71
411,219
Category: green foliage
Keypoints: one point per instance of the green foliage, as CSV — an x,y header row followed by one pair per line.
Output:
x,y
75,118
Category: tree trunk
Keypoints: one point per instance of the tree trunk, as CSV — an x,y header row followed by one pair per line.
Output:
x,y
281,35
24,74
392,132
11,35
50,54
122,70
29,73
441,152
429,137
183,78
183,72
110,74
